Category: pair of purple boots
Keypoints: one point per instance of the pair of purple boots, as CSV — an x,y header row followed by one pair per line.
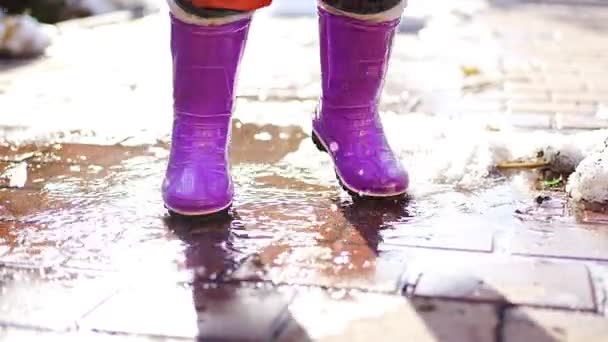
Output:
x,y
354,59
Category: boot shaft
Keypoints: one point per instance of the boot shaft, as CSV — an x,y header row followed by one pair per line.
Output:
x,y
205,63
354,60
205,66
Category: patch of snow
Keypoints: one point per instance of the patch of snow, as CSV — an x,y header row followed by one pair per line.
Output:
x,y
589,183
15,176
22,36
96,7
465,153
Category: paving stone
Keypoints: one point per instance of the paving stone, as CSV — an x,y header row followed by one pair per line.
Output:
x,y
355,316
61,188
531,120
544,87
580,97
580,122
184,249
88,154
35,257
51,301
599,85
531,282
14,334
558,240
472,105
205,312
332,265
12,152
178,248
553,326
457,232
525,76
589,216
500,95
310,222
27,246
548,107
18,203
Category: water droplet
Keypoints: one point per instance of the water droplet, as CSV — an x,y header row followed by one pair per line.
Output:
x,y
200,271
95,168
263,136
338,294
334,147
342,259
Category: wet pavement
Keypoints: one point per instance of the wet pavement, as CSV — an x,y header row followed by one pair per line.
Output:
x,y
89,252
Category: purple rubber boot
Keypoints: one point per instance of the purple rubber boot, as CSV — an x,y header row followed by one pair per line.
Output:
x,y
354,59
205,63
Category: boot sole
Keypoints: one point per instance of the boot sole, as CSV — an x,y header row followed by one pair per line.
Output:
x,y
208,213
349,189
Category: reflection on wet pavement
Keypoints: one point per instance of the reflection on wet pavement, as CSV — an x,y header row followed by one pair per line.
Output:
x,y
86,245
95,208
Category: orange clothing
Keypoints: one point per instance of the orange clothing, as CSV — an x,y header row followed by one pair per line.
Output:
x,y
237,5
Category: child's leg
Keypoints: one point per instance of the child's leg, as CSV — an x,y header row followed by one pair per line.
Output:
x,y
356,39
207,44
367,10
187,12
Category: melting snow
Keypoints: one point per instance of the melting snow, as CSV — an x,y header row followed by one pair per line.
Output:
x,y
22,36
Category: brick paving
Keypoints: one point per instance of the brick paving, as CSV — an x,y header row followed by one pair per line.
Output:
x,y
87,252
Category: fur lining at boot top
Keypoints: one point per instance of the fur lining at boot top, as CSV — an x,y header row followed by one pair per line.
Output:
x,y
189,7
363,6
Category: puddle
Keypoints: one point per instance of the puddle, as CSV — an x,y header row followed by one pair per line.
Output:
x,y
99,207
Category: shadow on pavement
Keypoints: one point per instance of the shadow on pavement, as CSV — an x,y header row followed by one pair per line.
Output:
x,y
370,217
227,310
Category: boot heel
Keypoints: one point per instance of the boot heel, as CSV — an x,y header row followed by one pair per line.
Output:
x,y
317,142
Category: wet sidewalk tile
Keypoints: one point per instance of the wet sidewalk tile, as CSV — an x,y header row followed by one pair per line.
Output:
x,y
49,299
15,334
329,265
588,242
553,326
348,315
520,282
203,311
